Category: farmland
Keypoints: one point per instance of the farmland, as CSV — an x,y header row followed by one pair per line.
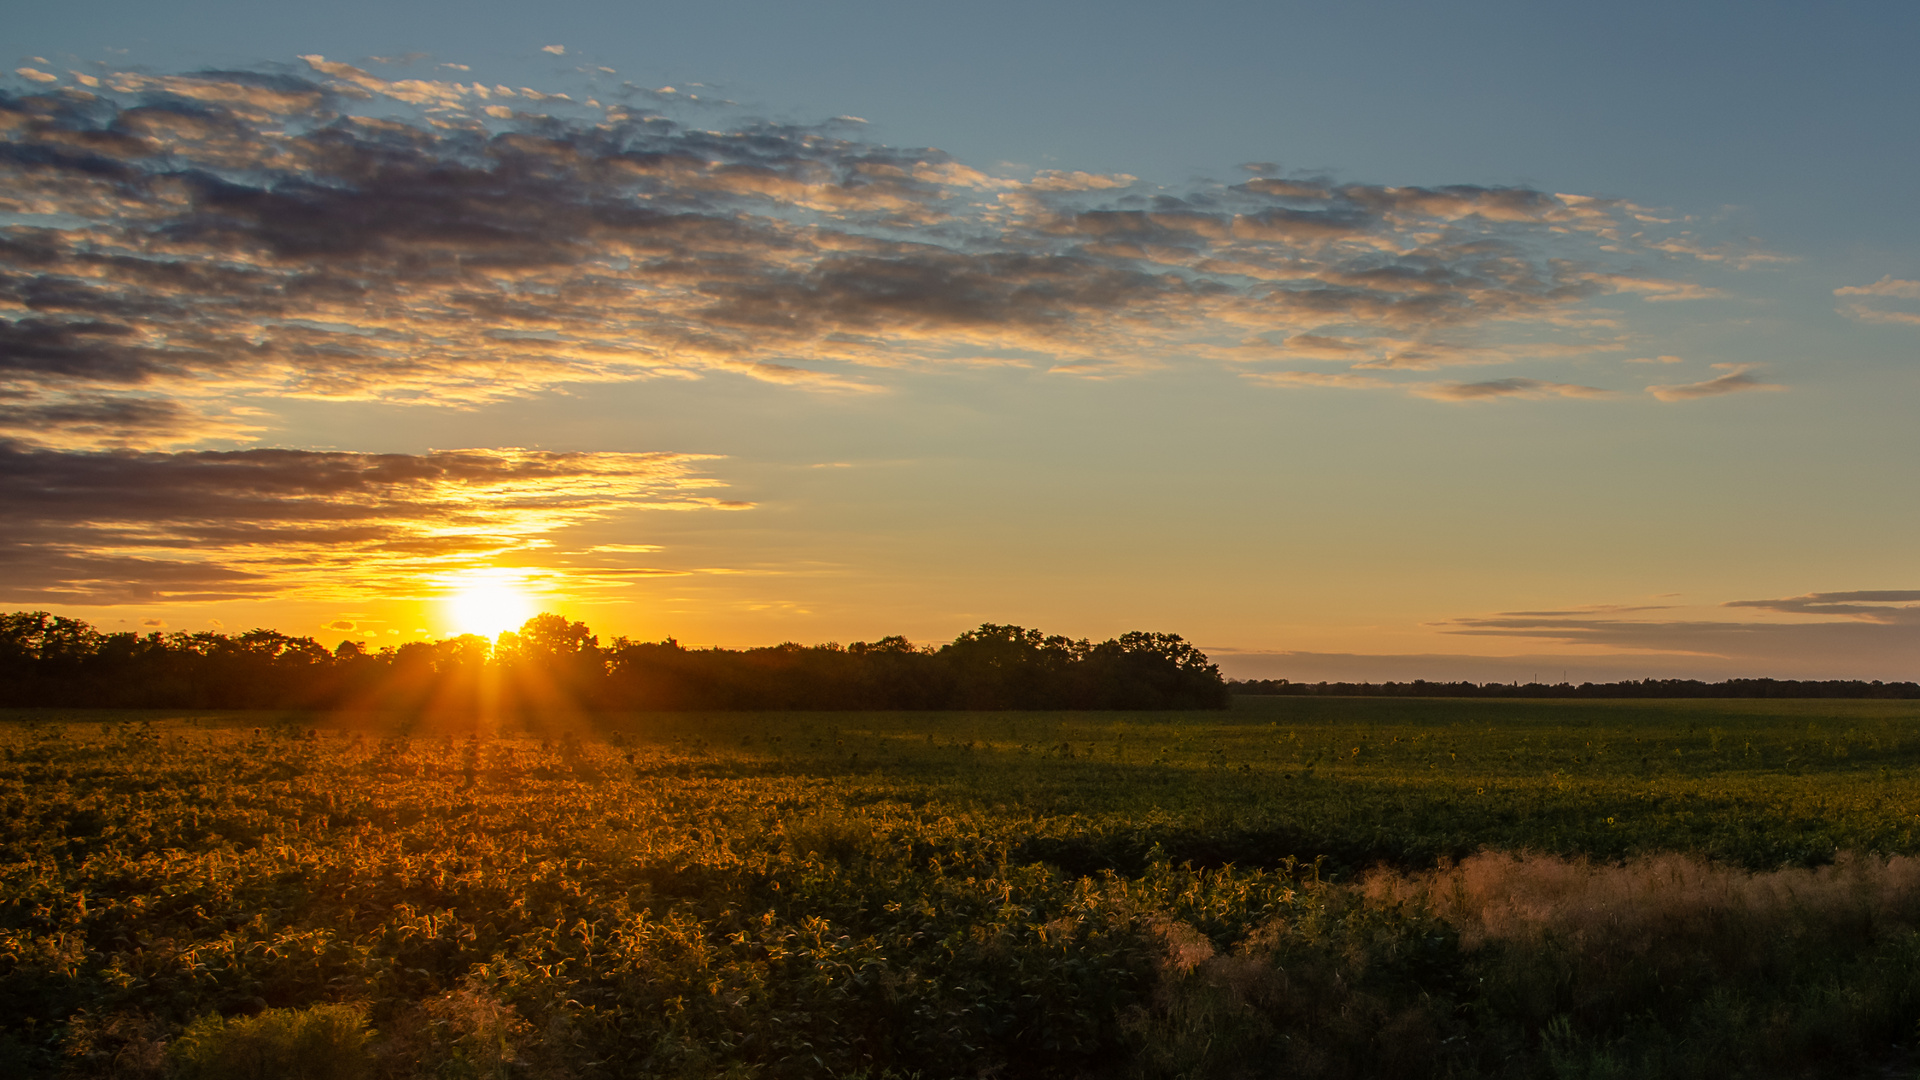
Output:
x,y
1295,886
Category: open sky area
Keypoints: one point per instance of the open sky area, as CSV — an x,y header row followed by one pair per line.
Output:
x,y
1362,341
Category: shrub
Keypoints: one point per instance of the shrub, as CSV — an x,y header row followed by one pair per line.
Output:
x,y
325,1042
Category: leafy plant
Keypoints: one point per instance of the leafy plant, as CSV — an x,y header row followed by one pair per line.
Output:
x,y
324,1042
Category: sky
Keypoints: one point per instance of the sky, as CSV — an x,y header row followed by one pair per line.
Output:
x,y
1373,341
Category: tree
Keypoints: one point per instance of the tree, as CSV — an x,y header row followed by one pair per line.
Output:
x,y
552,640
1141,670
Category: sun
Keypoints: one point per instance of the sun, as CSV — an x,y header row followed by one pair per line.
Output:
x,y
486,602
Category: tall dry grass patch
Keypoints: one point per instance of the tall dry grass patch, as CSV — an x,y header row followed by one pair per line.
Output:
x,y
1672,965
1641,904
1667,965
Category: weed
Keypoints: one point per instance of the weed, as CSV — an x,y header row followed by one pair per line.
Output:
x,y
325,1042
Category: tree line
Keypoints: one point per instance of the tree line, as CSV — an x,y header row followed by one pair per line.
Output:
x,y
552,662
1629,688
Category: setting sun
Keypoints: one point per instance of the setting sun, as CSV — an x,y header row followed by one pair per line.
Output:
x,y
489,601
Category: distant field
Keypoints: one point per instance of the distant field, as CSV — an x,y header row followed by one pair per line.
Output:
x,y
966,894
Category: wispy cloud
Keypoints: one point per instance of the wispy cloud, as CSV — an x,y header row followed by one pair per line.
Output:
x,y
1345,380
1486,390
1889,300
1868,633
1740,256
1494,389
1886,286
1870,605
1739,378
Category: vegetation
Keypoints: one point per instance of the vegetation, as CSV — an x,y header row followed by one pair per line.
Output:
x,y
551,662
324,1042
1294,887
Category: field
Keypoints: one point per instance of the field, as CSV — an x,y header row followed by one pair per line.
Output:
x,y
1293,887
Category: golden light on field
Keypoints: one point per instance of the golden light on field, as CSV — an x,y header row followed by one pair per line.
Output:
x,y
486,602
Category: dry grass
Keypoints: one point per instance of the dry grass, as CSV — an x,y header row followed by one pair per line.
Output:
x,y
1667,965
1640,905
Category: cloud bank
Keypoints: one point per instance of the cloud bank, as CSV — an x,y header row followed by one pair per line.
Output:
x,y
119,527
181,245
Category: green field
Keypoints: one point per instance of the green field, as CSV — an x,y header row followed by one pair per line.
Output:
x,y
1287,888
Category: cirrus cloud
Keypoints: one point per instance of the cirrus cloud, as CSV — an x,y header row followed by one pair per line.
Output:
x,y
1495,389
1739,378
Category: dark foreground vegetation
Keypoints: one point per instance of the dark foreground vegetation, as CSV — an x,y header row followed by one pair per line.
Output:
x,y
48,660
1630,688
1297,887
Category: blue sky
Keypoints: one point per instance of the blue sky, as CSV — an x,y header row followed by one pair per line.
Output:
x,y
1327,480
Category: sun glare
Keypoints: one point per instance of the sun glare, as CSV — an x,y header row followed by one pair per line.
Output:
x,y
488,602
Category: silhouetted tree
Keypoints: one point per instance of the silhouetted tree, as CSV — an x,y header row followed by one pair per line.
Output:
x,y
552,661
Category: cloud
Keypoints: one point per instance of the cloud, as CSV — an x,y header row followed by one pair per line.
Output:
x,y
35,76
1894,318
1055,180
339,624
1324,347
1655,290
1886,286
107,527
1738,378
1488,390
557,50
1506,388
1663,359
1713,637
1882,301
1741,256
1871,605
184,243
1865,634
1345,380
123,421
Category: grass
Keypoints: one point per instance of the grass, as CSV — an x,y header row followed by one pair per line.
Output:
x,y
1297,886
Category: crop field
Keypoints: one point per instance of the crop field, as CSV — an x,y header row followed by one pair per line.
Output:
x,y
1328,887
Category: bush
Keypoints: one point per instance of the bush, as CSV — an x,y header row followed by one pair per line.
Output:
x,y
326,1042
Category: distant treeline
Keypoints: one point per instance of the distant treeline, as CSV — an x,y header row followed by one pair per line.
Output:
x,y
47,660
1644,688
